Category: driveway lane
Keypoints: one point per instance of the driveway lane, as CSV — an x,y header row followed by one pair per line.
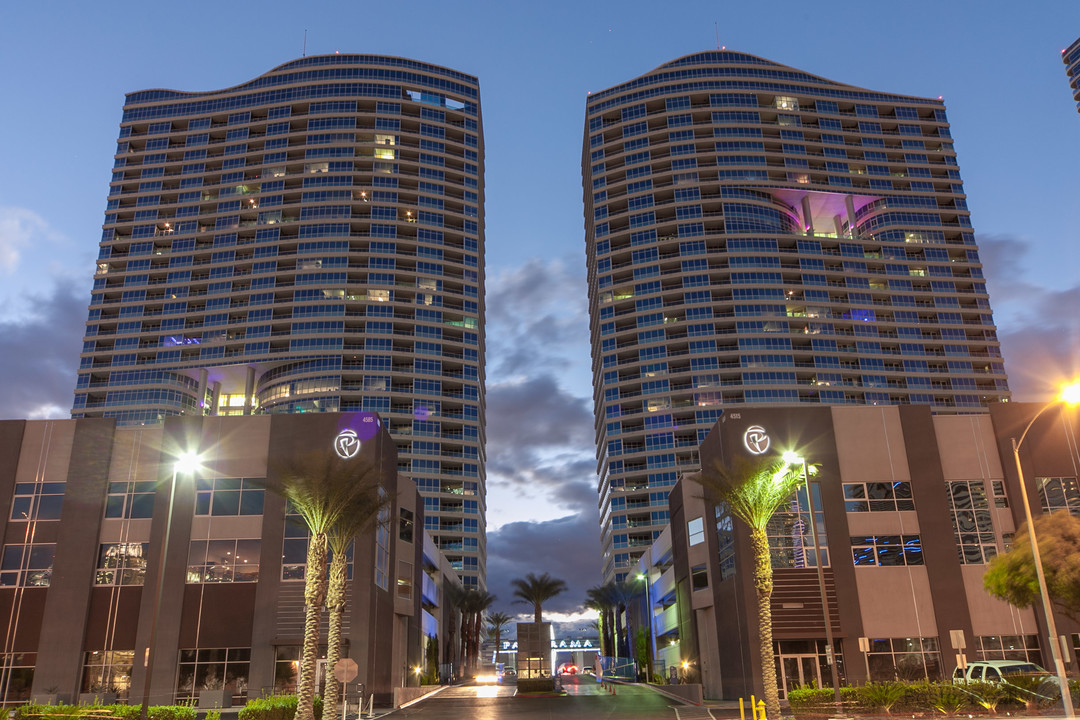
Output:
x,y
629,703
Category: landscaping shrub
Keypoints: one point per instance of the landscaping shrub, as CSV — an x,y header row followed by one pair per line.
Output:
x,y
527,685
986,695
880,695
918,697
809,700
1030,691
123,712
275,707
949,699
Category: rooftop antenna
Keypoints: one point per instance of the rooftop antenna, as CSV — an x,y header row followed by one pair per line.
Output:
x,y
305,44
716,27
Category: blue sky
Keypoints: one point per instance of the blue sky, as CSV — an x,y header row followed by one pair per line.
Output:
x,y
997,65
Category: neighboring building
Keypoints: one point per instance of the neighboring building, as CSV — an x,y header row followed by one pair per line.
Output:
x,y
910,507
309,241
759,235
85,523
1071,57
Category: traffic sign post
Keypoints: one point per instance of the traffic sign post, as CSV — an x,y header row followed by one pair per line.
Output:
x,y
345,671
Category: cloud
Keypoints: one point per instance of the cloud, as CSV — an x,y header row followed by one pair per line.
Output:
x,y
39,356
537,412
537,316
567,548
20,228
540,448
1038,327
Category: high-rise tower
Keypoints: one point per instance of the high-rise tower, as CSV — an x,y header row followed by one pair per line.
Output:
x,y
757,234
1071,57
308,241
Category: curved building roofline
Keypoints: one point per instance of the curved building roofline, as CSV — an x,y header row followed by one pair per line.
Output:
x,y
330,59
733,58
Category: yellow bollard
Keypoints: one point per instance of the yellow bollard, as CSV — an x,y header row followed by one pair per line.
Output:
x,y
742,711
761,707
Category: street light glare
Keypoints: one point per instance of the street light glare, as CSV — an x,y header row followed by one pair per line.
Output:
x,y
188,463
792,458
1070,394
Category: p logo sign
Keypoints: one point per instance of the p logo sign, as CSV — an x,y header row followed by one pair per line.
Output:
x,y
347,444
756,439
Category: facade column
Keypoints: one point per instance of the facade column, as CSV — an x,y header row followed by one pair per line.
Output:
x,y
850,205
203,379
249,390
215,399
807,216
838,225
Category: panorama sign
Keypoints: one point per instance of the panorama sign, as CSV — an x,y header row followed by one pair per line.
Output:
x,y
564,644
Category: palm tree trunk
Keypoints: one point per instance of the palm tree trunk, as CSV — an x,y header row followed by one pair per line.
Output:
x,y
538,613
466,634
609,632
763,584
448,653
335,604
461,648
314,596
474,642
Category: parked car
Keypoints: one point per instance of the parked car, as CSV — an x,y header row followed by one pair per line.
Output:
x,y
1000,671
996,670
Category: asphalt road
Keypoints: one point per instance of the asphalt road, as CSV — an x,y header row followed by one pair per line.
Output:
x,y
585,700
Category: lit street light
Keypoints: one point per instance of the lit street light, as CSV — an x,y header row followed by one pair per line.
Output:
x,y
652,630
793,458
1070,395
186,463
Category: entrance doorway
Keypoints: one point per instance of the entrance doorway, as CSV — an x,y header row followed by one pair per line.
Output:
x,y
798,670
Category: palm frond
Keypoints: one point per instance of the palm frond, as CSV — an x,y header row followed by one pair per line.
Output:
x,y
753,488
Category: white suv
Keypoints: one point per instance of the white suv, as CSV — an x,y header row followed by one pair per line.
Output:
x,y
994,670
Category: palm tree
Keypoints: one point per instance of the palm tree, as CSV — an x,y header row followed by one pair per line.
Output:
x,y
473,606
496,623
535,591
596,598
753,489
369,504
452,598
322,488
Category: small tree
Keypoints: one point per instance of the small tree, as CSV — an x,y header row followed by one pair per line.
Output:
x,y
368,504
431,659
599,599
497,622
753,489
1011,576
452,597
322,488
473,606
536,590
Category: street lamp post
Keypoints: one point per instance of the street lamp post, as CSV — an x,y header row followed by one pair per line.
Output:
x,y
186,463
830,651
1070,396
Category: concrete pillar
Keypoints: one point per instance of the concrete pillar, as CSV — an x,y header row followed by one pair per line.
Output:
x,y
850,205
203,379
838,225
215,402
249,390
808,218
